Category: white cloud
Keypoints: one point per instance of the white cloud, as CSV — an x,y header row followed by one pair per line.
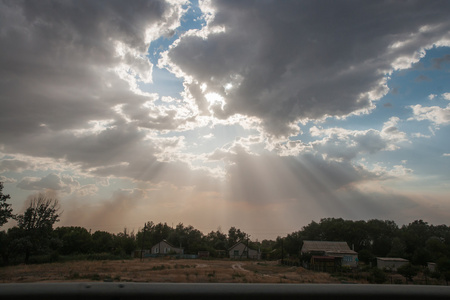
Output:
x,y
343,144
7,179
432,96
13,165
446,96
434,114
50,182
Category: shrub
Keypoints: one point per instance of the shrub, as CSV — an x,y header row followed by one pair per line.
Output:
x,y
408,271
377,276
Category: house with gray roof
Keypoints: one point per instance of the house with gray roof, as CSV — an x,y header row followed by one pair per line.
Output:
x,y
325,250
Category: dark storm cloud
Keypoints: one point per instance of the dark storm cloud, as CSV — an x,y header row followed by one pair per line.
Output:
x,y
290,60
58,73
57,61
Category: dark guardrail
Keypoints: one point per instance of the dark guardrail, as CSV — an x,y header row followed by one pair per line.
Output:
x,y
107,290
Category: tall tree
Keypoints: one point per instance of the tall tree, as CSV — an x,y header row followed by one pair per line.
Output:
x,y
36,224
5,208
102,241
235,235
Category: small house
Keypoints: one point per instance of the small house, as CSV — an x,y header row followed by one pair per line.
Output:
x,y
325,253
165,247
391,263
241,251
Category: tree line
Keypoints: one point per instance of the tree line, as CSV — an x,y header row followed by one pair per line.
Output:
x,y
34,238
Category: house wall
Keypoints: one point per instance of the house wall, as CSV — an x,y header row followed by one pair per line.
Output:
x,y
237,252
390,264
348,259
164,248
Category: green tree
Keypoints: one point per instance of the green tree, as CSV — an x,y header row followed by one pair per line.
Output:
x,y
36,224
443,265
102,241
154,233
378,276
415,235
5,208
235,235
75,240
397,249
381,234
216,240
408,271
124,243
194,240
293,244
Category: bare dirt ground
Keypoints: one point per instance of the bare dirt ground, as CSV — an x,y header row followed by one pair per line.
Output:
x,y
165,270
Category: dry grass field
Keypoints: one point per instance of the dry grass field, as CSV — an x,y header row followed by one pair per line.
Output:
x,y
165,270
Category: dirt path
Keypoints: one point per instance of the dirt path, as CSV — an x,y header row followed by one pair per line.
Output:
x,y
238,266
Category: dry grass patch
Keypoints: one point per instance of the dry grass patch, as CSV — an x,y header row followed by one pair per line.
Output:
x,y
164,270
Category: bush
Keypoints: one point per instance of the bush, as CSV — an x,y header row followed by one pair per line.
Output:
x,y
408,271
377,276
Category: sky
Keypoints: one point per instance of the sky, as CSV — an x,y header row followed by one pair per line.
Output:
x,y
263,115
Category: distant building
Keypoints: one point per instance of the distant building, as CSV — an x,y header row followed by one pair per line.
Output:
x,y
431,266
241,251
391,263
326,255
165,247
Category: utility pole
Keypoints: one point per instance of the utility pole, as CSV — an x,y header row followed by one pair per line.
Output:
x,y
248,249
143,238
159,245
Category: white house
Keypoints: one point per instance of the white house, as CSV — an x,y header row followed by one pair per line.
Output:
x,y
165,247
240,251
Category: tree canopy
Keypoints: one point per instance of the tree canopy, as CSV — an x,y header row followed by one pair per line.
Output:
x,y
5,208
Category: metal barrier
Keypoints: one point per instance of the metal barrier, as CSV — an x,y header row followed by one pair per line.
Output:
x,y
105,290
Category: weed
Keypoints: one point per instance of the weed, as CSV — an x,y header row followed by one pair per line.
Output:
x,y
159,268
213,274
95,277
262,264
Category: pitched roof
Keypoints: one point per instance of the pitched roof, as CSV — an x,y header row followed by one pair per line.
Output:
x,y
241,242
325,246
169,244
